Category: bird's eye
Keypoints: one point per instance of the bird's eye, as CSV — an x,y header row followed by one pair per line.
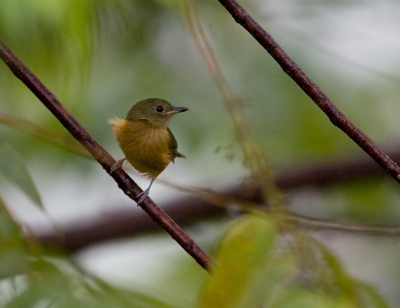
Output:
x,y
159,108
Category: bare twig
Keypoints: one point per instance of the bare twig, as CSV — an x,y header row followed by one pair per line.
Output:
x,y
225,201
65,142
327,224
128,186
253,156
310,88
120,223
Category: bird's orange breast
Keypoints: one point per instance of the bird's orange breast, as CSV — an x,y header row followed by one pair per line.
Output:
x,y
145,147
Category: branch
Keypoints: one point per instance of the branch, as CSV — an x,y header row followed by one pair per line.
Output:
x,y
310,88
129,187
121,223
83,232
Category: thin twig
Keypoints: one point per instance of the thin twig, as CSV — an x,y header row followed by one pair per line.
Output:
x,y
310,88
65,142
327,224
129,187
120,223
203,203
253,156
249,206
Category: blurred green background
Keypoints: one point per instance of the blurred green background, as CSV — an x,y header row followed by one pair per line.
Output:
x,y
100,57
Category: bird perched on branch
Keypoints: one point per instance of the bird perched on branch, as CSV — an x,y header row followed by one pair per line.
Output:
x,y
144,137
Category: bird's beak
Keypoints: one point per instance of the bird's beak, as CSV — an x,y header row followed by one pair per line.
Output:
x,y
177,110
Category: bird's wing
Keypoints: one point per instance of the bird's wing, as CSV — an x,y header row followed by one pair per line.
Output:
x,y
173,146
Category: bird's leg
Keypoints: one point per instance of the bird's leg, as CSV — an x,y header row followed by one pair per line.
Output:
x,y
145,193
117,165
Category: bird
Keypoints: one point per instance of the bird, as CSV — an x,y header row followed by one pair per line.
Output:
x,y
145,139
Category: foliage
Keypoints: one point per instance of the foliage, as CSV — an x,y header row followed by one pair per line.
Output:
x,y
257,266
13,168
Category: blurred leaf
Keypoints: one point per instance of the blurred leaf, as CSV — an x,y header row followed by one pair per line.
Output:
x,y
335,274
255,267
57,282
302,298
343,286
371,296
13,168
269,280
174,4
241,254
63,141
13,251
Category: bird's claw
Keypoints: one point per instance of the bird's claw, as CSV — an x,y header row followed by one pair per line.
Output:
x,y
117,165
143,195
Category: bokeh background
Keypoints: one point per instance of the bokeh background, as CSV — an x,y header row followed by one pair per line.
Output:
x,y
100,57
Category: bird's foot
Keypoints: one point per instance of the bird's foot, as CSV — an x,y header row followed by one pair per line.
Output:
x,y
143,195
117,165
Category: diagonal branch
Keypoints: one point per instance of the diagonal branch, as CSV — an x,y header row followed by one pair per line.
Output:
x,y
129,187
310,88
120,223
112,224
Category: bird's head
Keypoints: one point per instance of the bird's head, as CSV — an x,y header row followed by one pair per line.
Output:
x,y
156,111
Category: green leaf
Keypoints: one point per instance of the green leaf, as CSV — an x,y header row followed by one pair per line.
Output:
x,y
371,296
13,168
13,251
241,256
303,298
346,287
57,282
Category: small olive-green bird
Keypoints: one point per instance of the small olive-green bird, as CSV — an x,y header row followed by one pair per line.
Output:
x,y
144,137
